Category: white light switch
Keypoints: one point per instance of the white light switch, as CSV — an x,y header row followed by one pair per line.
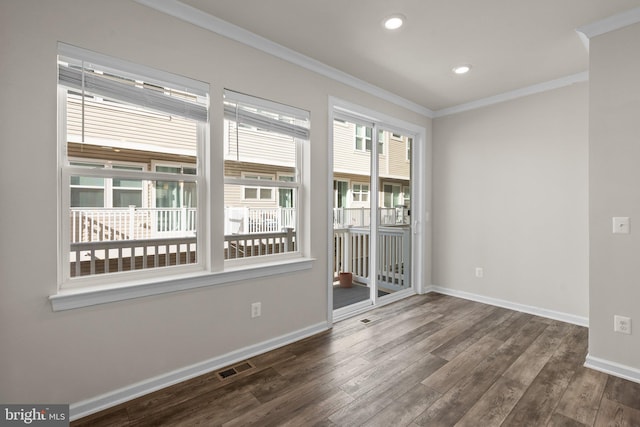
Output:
x,y
621,225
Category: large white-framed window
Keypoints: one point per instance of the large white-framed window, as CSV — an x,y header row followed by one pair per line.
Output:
x,y
134,150
263,179
115,117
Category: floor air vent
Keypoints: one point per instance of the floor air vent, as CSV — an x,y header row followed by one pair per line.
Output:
x,y
365,320
229,372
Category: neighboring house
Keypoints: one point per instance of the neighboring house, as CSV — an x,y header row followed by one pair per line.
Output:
x,y
352,173
164,143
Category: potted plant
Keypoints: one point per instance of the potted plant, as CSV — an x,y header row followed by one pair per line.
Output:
x,y
346,279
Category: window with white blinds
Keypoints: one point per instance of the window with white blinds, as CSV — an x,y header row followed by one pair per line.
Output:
x,y
262,140
123,217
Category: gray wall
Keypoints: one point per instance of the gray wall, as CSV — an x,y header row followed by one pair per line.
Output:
x,y
510,196
78,354
614,190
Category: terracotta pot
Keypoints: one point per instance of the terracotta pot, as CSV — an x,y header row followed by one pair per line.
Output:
x,y
346,279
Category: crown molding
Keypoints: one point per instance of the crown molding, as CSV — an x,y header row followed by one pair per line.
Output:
x,y
223,28
609,24
514,94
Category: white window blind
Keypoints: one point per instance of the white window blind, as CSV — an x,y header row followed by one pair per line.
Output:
x,y
85,72
266,115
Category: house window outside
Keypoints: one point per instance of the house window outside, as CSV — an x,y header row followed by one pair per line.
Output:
x,y
115,118
127,192
363,137
391,196
257,193
285,195
262,175
360,192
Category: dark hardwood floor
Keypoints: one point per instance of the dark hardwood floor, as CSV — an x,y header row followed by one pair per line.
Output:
x,y
429,360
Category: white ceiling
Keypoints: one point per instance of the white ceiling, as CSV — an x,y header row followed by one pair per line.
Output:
x,y
511,44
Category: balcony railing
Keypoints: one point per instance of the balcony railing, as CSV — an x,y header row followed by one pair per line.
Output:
x,y
108,256
361,217
132,223
111,240
351,253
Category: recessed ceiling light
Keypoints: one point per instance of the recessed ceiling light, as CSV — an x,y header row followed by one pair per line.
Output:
x,y
393,22
462,69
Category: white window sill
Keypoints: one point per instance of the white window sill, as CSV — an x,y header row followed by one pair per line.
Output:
x,y
76,298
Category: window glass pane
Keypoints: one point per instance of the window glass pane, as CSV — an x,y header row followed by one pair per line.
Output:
x,y
130,183
274,222
120,121
265,193
250,193
87,181
125,198
261,147
87,198
168,169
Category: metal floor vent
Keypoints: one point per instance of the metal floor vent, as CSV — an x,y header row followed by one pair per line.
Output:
x,y
229,372
365,320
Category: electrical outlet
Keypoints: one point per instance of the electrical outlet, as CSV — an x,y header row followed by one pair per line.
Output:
x,y
256,309
479,272
622,324
621,225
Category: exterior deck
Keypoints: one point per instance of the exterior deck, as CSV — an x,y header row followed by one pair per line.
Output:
x,y
125,239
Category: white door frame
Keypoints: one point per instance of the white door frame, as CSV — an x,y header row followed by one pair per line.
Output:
x,y
420,198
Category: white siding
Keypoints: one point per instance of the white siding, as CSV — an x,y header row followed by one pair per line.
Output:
x,y
120,125
258,146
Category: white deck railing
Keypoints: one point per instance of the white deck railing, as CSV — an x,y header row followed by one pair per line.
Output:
x,y
246,220
108,256
361,217
351,253
89,258
101,224
257,244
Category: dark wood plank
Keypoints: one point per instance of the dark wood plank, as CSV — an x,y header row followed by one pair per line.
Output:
x,y
581,400
623,391
559,420
533,359
460,367
111,417
451,407
301,394
494,405
461,342
431,360
541,398
317,412
615,414
375,396
405,408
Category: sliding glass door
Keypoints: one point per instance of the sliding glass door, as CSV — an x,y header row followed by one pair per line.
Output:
x,y
371,212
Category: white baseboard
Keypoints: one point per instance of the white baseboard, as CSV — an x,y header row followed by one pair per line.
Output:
x,y
116,397
542,312
613,368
